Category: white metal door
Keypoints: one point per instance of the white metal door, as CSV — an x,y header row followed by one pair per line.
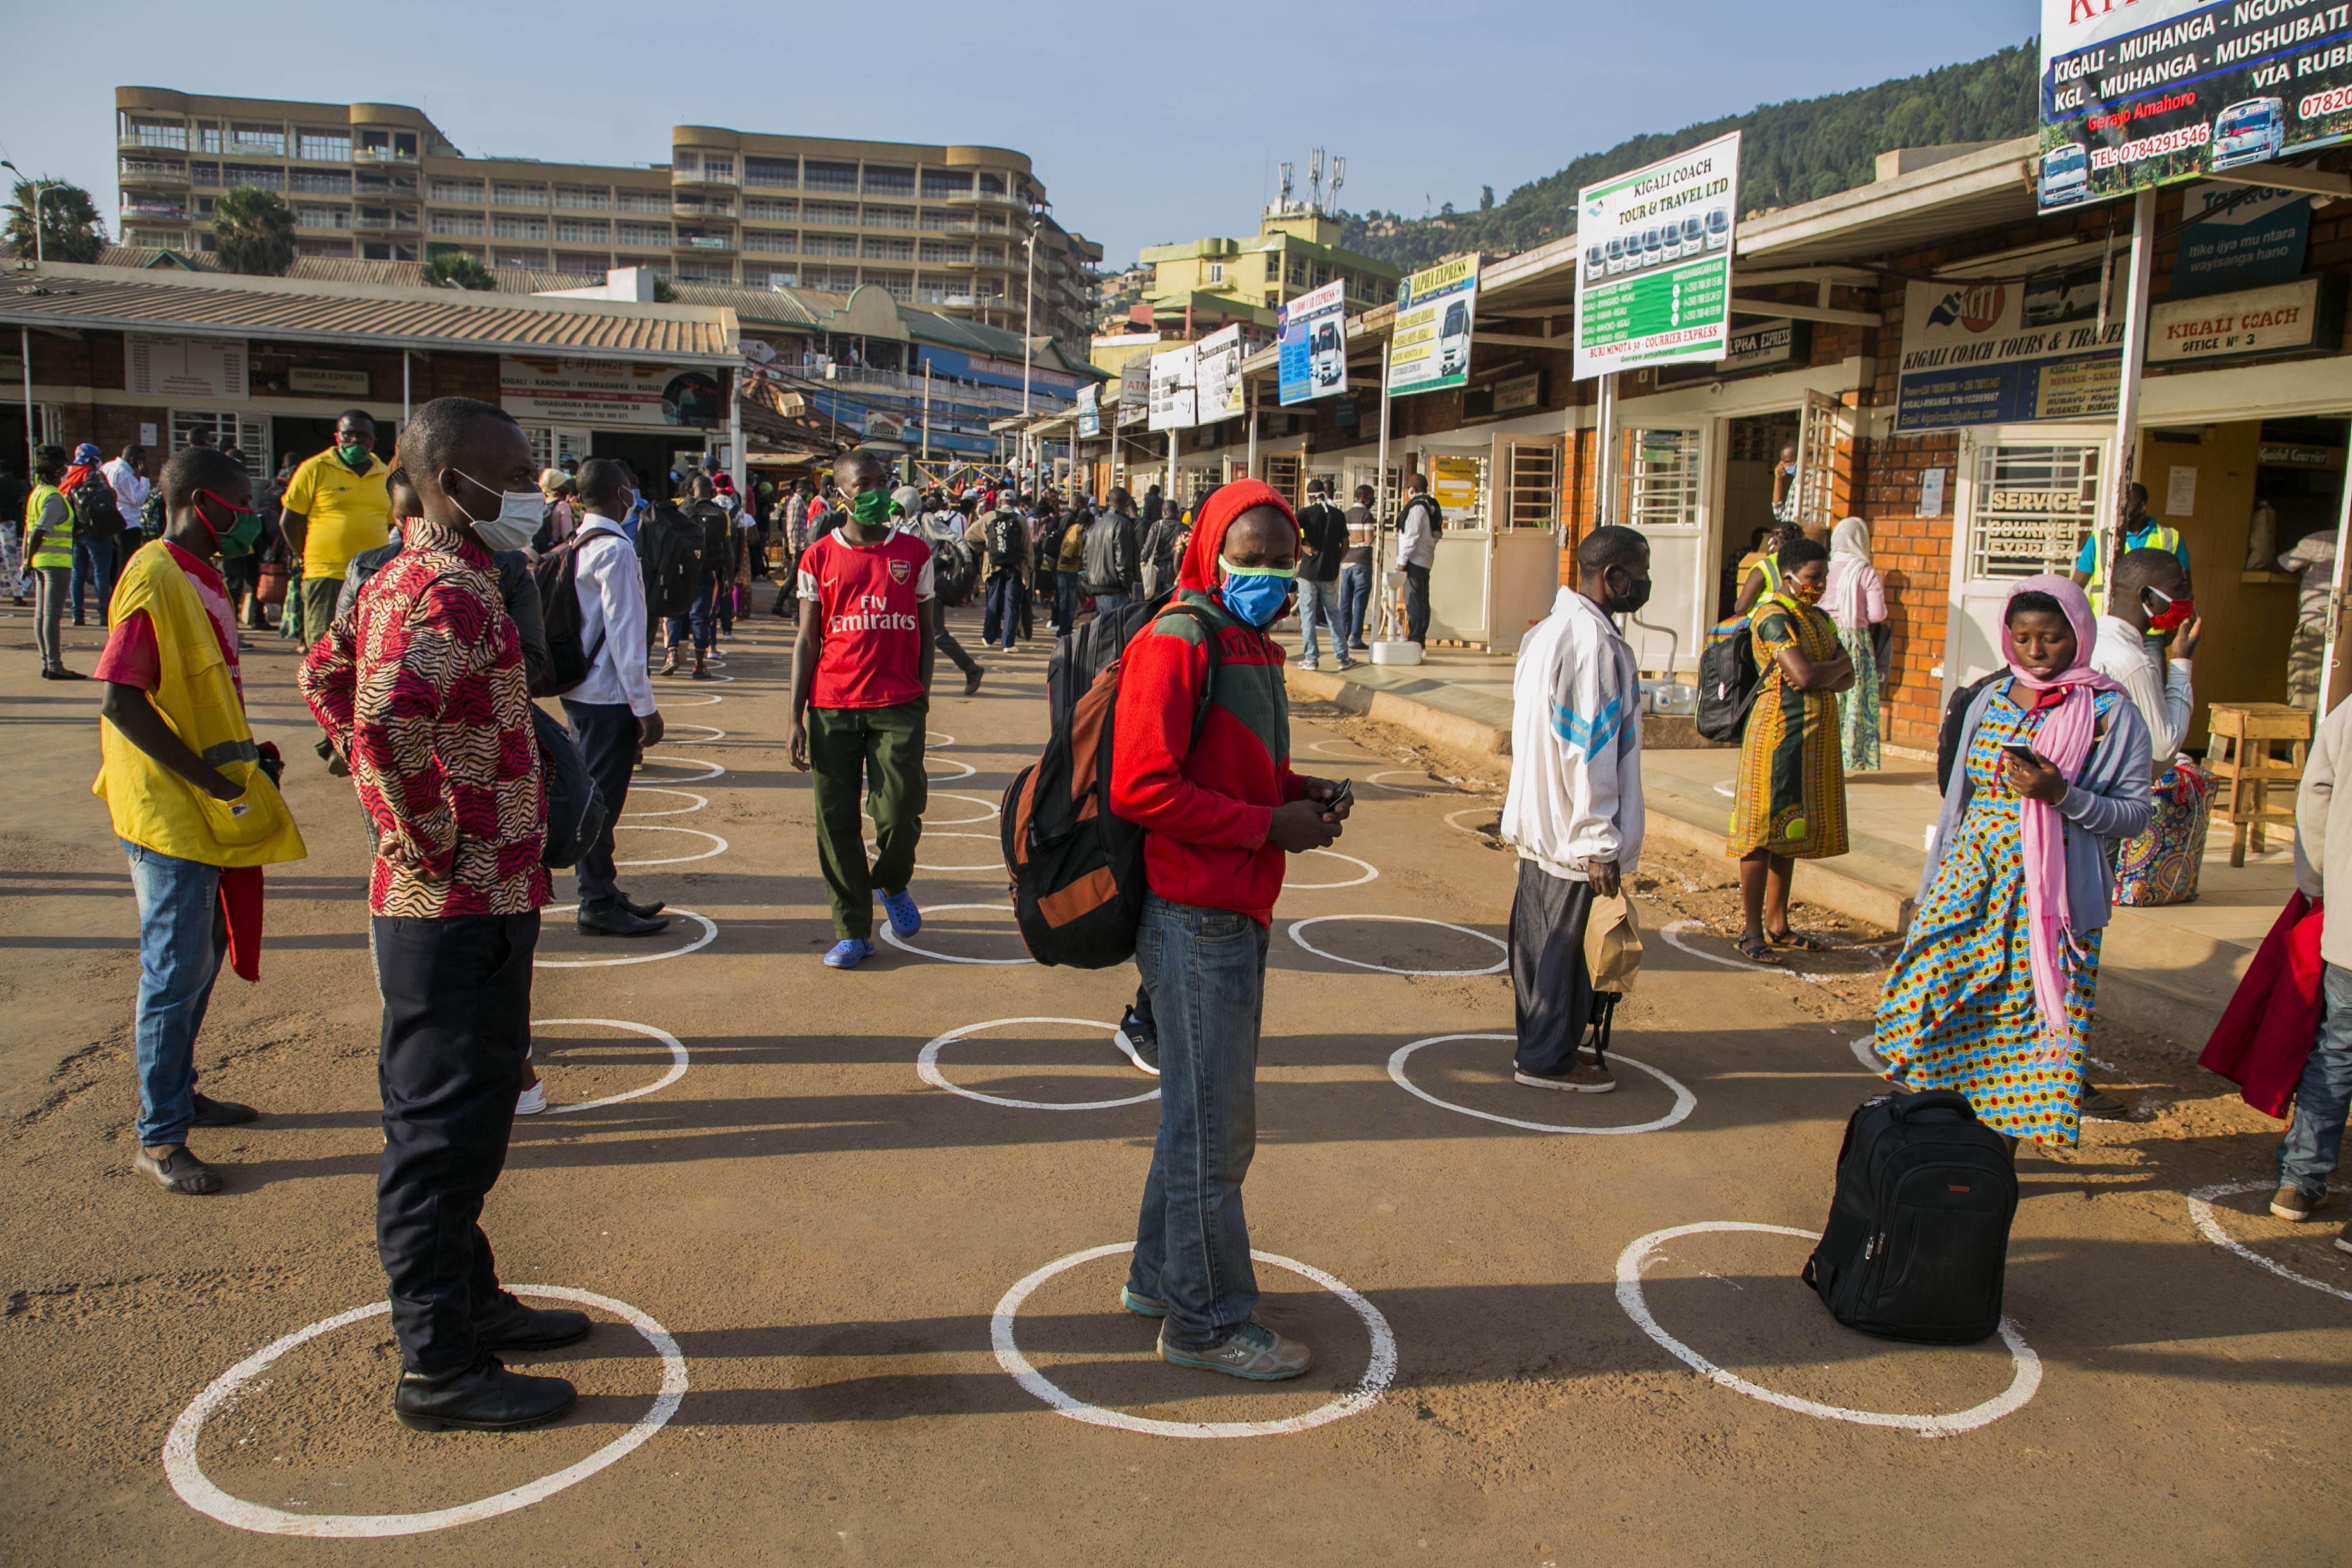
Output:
x,y
1662,473
2024,508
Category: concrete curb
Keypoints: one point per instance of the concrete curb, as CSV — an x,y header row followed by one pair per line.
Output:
x,y
1454,730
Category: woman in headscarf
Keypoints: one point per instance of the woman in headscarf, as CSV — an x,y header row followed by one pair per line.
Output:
x,y
1789,804
1856,603
1994,991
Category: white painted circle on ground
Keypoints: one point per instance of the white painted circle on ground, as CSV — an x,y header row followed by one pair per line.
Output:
x,y
718,845
1369,870
1725,790
1643,1249
1324,748
893,938
990,809
927,1068
968,771
715,770
637,789
708,700
188,1479
709,934
1685,1101
678,1059
993,862
1424,783
1483,810
1674,931
713,733
2201,1209
1363,1396
1497,968
1865,1052
938,738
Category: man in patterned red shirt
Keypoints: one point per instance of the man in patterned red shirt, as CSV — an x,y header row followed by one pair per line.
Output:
x,y
421,688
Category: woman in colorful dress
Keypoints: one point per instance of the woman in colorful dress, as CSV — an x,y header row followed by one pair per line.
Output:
x,y
1856,601
1790,801
1993,993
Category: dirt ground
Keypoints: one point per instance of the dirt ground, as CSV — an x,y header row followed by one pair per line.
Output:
x,y
823,1247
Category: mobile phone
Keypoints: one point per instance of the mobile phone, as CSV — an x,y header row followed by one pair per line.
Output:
x,y
2024,755
1344,796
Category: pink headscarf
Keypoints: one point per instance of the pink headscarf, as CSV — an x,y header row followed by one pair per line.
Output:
x,y
2063,741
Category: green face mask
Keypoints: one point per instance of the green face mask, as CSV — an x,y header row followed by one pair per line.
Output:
x,y
873,509
239,537
354,458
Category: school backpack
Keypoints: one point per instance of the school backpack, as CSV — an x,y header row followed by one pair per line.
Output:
x,y
1917,1237
557,575
97,513
1077,866
669,551
1728,682
575,806
1008,540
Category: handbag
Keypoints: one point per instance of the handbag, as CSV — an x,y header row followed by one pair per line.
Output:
x,y
270,585
1613,945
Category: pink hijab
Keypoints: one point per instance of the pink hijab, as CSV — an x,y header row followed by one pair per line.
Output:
x,y
2064,741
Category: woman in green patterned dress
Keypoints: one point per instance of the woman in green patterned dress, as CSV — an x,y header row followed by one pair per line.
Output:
x,y
1790,801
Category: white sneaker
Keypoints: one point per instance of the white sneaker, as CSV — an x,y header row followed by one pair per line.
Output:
x,y
1307,664
533,1101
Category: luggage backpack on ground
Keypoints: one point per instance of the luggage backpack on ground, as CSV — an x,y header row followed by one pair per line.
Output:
x,y
1918,1233
575,806
1077,866
97,513
556,576
669,548
1728,682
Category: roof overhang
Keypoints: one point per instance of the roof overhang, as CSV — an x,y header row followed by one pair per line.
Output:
x,y
1947,200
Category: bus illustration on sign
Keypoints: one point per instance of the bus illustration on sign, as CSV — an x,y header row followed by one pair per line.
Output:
x,y
2248,131
1596,267
2066,174
1454,342
1719,228
1330,363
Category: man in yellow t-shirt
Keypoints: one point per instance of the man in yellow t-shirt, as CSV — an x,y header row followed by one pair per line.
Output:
x,y
335,508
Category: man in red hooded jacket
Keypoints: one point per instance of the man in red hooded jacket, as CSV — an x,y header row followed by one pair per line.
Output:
x,y
1220,807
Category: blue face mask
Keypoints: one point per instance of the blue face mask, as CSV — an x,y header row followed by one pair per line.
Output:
x,y
1256,594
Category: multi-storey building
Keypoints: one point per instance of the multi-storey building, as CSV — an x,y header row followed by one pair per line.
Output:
x,y
939,227
1296,249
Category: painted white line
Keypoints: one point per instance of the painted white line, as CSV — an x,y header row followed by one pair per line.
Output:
x,y
718,845
1324,747
2209,1225
1363,1396
1726,791
1644,1251
990,809
1427,785
1371,871
1685,1101
1678,929
1482,810
188,1479
678,1059
714,732
937,738
1495,968
715,770
1865,1053
995,863
927,1068
893,938
968,771
637,789
709,934
706,700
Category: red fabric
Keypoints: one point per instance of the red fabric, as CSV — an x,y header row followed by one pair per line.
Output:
x,y
130,657
869,601
240,897
2266,1032
1206,803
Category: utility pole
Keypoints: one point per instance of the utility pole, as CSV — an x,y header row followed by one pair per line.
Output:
x,y
927,409
1028,310
2143,250
40,194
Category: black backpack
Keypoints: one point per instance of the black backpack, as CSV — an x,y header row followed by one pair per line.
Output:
x,y
557,573
1077,866
97,513
669,551
576,811
1917,1238
1727,681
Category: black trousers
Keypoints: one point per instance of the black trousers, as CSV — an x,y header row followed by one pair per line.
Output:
x,y
1551,989
1416,604
456,1024
607,733
944,639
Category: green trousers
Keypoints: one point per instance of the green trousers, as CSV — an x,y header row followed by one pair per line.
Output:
x,y
876,752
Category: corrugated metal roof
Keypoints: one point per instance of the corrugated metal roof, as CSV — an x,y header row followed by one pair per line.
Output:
x,y
107,297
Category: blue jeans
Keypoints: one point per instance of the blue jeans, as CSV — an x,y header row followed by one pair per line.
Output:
x,y
1109,604
93,562
1355,599
1320,601
2314,1139
1205,971
1003,613
698,615
181,945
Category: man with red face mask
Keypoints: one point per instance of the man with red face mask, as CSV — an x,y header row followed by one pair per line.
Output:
x,y
2151,600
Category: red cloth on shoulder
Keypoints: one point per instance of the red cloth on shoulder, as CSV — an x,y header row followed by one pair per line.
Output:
x,y
2266,1032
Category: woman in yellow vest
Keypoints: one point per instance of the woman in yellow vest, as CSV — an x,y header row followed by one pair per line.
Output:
x,y
48,553
195,801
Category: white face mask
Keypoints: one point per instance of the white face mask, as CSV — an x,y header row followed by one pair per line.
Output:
x,y
520,514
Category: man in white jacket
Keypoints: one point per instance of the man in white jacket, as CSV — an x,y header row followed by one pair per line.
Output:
x,y
1574,811
1417,528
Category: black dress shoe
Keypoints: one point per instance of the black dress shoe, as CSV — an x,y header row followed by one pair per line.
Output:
x,y
503,1323
485,1397
2098,1105
211,1112
618,921
643,911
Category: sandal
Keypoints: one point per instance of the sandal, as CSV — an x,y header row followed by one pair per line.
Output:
x,y
1794,940
1758,950
179,1171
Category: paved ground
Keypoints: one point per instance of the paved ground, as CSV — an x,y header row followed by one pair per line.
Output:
x,y
828,1241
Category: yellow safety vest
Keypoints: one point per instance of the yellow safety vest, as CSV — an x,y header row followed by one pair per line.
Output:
x,y
2160,537
152,806
57,546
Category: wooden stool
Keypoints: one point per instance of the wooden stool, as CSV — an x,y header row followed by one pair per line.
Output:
x,y
2240,757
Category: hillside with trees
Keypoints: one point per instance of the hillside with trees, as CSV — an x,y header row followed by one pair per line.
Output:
x,y
1789,153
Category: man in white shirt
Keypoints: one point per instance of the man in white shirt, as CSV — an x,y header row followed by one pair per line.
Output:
x,y
612,712
1574,809
2151,594
128,474
1416,550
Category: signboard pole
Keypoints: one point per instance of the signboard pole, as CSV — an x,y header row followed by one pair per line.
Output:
x,y
1168,493
1380,512
404,386
737,470
927,410
2336,682
1604,464
32,436
2143,251
1253,444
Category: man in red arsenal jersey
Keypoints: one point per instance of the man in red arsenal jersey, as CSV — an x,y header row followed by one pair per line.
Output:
x,y
861,694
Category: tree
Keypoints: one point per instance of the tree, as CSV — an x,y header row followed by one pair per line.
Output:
x,y
71,229
453,269
663,293
257,232
1485,198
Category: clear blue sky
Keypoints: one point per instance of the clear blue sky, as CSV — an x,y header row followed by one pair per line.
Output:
x,y
1140,135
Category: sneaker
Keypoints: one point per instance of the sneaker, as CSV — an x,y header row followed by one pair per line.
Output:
x,y
1143,1046
1307,664
2344,1240
533,1101
1142,1306
1350,663
848,954
1580,1079
2293,1205
906,920
1253,1350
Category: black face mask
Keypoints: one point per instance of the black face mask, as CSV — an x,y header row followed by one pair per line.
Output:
x,y
1631,600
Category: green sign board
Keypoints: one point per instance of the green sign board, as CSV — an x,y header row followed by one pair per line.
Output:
x,y
1653,284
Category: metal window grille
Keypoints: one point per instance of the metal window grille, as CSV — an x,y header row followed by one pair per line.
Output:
x,y
1660,483
1534,479
246,437
1281,474
2030,508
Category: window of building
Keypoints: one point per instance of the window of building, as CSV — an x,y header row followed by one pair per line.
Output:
x,y
770,242
889,218
309,216
456,222
643,201
992,184
948,252
705,272
319,182
203,174
991,223
448,190
506,226
1298,274
829,244
945,184
840,213
226,431
768,209
830,282
652,234
718,166
901,284
889,179
340,249
2030,508
584,198
247,137
583,231
1534,481
1216,272
772,173
520,260
942,220
374,183
322,146
506,194
890,251
775,280
157,132
991,256
1661,470
208,136
260,176
589,264
816,174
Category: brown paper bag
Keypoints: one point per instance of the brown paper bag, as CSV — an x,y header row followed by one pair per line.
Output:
x,y
1613,945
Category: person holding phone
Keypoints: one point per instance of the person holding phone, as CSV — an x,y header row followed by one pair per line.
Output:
x,y
1992,995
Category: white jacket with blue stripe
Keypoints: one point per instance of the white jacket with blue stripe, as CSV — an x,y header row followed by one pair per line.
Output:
x,y
1576,744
